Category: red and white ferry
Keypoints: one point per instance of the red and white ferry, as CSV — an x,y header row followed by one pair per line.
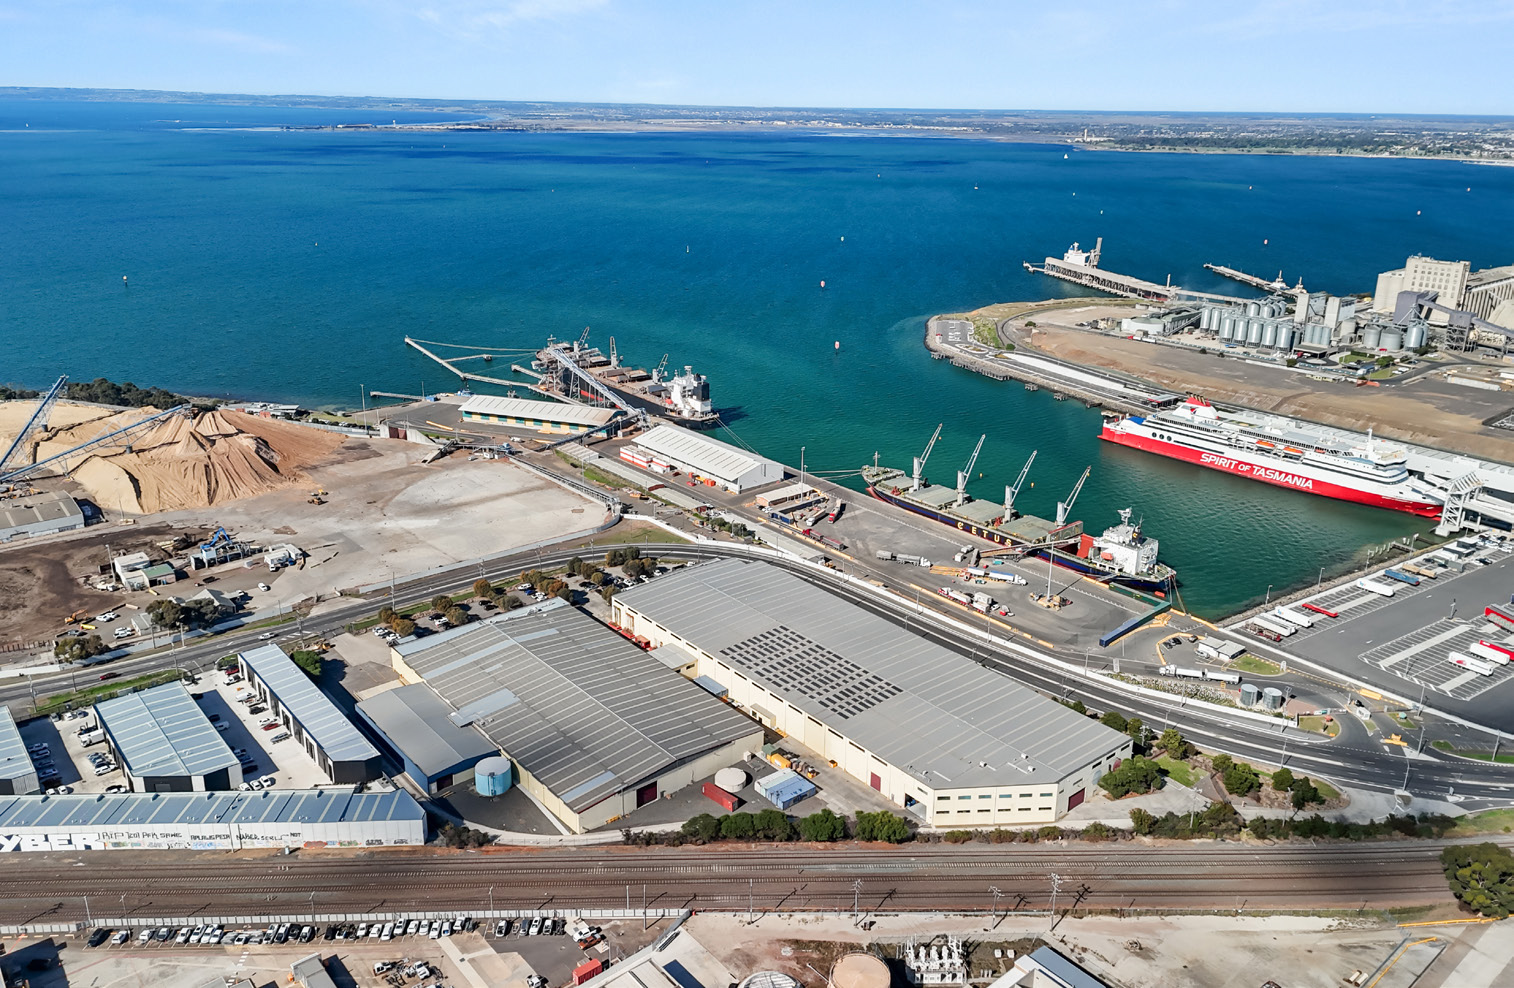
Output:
x,y
1370,472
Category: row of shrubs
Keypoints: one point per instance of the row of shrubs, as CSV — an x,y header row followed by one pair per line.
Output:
x,y
823,826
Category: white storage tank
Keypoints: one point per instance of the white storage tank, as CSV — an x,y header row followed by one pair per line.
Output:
x,y
1206,319
1415,336
1253,308
1227,328
1272,698
1372,337
1269,333
1285,337
1250,695
493,776
1254,331
731,779
1392,340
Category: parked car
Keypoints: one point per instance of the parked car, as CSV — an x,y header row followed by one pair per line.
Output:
x,y
121,937
115,789
98,937
281,736
263,587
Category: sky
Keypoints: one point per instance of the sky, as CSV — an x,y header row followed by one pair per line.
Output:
x,y
1389,56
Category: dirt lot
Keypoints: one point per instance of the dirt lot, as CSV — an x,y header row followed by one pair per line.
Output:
x,y
1421,411
41,582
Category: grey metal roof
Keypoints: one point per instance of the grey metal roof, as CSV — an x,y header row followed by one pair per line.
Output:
x,y
162,731
15,762
925,709
322,719
710,457
575,704
50,506
414,718
269,806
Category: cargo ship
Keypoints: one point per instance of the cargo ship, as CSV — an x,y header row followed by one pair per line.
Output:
x,y
1368,472
683,399
1122,554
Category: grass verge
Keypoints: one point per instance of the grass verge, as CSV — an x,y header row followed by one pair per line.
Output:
x,y
1486,822
1482,756
630,536
1180,772
1255,666
104,691
1319,726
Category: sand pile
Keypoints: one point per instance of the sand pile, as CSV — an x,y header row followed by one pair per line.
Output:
x,y
179,463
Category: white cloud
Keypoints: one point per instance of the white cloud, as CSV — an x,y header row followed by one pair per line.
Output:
x,y
478,18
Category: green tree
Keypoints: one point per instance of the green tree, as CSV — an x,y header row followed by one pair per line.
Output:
x,y
483,588
510,602
773,824
597,578
1137,774
385,614
166,613
1282,780
576,565
564,594
1481,876
1176,746
1240,779
457,617
1141,821
633,552
309,661
1076,706
402,626
702,828
1305,793
608,593
737,826
441,602
823,825
614,558
1221,762
882,826
1115,720
76,649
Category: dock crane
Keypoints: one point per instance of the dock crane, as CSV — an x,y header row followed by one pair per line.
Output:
x,y
614,356
967,471
1010,493
583,339
662,365
35,424
1064,507
917,478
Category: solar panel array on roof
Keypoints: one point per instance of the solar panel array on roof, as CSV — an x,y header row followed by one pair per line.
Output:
x,y
95,811
921,707
322,719
575,704
163,732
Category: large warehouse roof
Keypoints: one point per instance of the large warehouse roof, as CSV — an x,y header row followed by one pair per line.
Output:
x,y
162,731
92,811
575,704
545,411
415,719
53,506
707,456
15,763
925,709
321,719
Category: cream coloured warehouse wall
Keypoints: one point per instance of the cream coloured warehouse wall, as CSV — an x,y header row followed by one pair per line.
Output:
x,y
1002,805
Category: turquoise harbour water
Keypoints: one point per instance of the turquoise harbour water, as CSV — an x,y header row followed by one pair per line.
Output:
x,y
288,265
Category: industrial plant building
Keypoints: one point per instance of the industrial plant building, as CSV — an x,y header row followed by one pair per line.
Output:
x,y
210,821
18,774
318,725
710,461
165,743
435,752
39,514
929,729
594,725
548,417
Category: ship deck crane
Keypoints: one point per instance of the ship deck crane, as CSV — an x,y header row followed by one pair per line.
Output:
x,y
967,471
1012,492
570,366
614,354
662,365
917,478
36,423
1065,507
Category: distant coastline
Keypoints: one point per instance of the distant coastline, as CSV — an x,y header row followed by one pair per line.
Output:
x,y
1467,139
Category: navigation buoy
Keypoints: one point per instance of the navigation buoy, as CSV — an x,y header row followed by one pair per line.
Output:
x,y
843,240
838,344
685,248
1469,188
1264,242
975,188
822,282
123,279
1418,212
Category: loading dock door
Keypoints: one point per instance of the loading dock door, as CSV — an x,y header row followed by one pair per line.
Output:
x,y
875,782
646,794
1075,799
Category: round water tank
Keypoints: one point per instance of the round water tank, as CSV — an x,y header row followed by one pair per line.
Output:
x,y
1269,333
1249,695
1372,337
1392,339
1272,698
1253,308
1285,337
731,779
1415,337
768,979
493,776
859,970
1254,330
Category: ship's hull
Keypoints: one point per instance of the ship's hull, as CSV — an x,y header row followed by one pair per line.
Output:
x,y
646,402
1238,463
1066,560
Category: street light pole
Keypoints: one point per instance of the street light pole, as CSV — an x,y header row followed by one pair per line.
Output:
x,y
1056,886
993,909
856,898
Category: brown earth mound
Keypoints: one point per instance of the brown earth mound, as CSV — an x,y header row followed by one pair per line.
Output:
x,y
217,456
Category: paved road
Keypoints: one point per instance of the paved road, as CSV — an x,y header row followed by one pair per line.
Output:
x,y
51,887
1354,762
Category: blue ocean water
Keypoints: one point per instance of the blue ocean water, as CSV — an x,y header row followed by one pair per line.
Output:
x,y
289,264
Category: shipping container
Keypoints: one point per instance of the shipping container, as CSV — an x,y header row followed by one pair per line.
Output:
x,y
719,795
1294,617
587,970
1376,586
1394,574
